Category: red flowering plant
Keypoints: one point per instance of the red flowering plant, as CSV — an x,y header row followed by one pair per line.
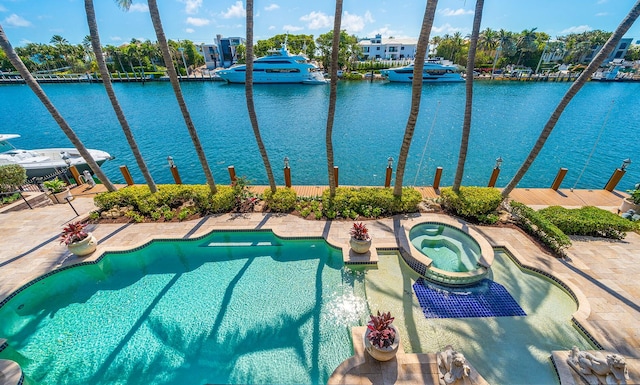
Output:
x,y
381,334
73,232
360,232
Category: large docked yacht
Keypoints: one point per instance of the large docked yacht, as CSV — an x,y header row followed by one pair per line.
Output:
x,y
435,70
277,67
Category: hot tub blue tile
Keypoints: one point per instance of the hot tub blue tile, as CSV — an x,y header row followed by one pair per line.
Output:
x,y
487,299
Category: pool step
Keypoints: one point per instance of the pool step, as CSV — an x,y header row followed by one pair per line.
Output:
x,y
242,244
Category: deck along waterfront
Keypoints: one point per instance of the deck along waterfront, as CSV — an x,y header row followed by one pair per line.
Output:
x,y
608,303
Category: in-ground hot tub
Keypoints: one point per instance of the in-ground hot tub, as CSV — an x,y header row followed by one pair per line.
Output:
x,y
449,253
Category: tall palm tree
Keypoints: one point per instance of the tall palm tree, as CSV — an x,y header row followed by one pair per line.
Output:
x,y
527,42
606,50
248,86
173,77
35,87
333,95
416,93
466,125
106,81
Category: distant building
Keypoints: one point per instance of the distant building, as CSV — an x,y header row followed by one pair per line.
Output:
x,y
387,48
210,54
618,53
227,49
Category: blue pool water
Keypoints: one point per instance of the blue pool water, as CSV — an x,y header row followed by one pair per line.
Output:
x,y
369,126
449,248
233,307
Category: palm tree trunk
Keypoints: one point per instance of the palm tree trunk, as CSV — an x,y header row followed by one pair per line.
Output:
x,y
173,76
416,93
106,81
606,50
35,87
333,96
466,125
248,86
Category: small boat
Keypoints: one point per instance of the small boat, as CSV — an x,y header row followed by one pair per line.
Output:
x,y
435,70
46,161
277,67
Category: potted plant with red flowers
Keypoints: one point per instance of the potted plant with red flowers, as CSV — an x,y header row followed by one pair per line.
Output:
x,y
360,241
381,339
78,241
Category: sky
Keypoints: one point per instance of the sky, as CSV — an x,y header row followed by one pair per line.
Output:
x,y
36,21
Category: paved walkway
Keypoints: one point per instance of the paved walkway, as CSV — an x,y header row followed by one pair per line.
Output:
x,y
602,274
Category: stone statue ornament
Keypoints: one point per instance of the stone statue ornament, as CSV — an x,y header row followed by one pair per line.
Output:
x,y
597,369
452,367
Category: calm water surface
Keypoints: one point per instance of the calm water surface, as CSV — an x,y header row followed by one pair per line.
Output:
x,y
596,132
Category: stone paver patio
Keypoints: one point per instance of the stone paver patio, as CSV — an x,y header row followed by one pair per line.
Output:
x,y
602,274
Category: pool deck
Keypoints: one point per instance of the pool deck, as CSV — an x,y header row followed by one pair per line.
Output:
x,y
603,274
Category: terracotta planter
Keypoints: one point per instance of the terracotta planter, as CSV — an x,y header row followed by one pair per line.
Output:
x,y
360,247
627,204
382,354
84,247
61,196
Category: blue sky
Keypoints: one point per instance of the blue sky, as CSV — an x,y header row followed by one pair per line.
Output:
x,y
37,21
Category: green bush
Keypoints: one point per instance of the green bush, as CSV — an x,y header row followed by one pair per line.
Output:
x,y
282,201
539,226
350,202
168,197
589,221
475,203
12,176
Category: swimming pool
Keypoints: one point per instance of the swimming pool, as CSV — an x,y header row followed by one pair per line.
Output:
x,y
231,307
449,248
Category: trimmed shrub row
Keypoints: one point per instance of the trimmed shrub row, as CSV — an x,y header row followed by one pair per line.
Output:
x,y
589,221
478,204
374,202
536,224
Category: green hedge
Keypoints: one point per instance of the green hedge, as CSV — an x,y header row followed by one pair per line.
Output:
x,y
282,201
351,202
12,176
475,203
589,221
168,197
538,225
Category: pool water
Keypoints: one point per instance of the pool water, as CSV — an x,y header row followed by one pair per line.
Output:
x,y
232,307
504,349
450,249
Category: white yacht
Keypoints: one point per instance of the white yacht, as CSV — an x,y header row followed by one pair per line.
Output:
x,y
45,161
277,67
435,70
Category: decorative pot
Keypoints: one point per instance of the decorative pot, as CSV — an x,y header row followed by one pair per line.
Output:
x,y
359,246
60,197
84,247
627,204
382,354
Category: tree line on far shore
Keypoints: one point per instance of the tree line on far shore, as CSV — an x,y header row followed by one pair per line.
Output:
x,y
495,49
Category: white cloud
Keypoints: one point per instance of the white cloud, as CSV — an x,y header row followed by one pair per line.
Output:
x,y
191,6
272,27
197,21
352,23
602,13
291,28
318,20
139,7
2,9
236,10
384,31
16,21
115,38
189,30
456,12
602,1
446,28
368,17
577,29
271,7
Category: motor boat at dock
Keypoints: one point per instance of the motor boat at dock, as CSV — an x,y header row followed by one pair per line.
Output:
x,y
46,161
435,70
277,67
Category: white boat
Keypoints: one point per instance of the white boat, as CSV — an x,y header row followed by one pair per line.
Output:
x,y
434,71
277,67
45,161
